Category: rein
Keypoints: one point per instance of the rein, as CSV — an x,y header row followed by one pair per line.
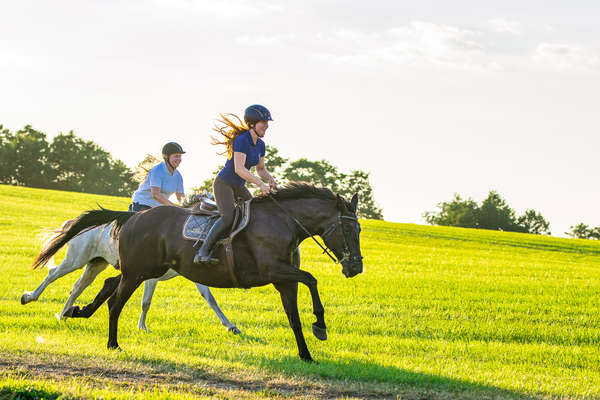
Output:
x,y
329,230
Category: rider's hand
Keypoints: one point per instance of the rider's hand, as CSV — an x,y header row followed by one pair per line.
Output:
x,y
264,188
272,184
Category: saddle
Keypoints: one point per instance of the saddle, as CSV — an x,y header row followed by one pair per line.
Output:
x,y
202,218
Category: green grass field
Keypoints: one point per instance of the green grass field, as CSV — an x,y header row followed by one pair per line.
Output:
x,y
438,313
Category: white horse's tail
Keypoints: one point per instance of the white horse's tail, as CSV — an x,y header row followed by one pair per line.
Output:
x,y
48,234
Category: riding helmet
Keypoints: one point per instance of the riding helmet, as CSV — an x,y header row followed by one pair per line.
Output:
x,y
172,148
256,113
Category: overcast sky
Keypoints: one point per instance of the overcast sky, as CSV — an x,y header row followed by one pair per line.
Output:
x,y
430,97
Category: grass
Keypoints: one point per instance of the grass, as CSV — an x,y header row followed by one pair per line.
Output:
x,y
438,313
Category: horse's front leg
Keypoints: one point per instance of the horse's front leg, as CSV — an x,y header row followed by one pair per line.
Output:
x,y
290,273
289,297
149,288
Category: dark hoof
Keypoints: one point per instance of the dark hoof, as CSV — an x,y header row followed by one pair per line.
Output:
x,y
113,347
320,333
235,330
72,312
23,301
307,358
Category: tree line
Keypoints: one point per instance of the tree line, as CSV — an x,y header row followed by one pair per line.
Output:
x,y
69,162
583,231
493,213
320,173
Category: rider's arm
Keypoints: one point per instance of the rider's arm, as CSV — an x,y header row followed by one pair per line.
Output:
x,y
261,170
158,196
239,160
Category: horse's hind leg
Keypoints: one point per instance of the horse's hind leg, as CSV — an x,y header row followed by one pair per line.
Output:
x,y
110,285
149,288
205,292
92,270
115,305
289,297
69,264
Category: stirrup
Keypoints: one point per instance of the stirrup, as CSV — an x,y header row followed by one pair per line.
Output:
x,y
200,259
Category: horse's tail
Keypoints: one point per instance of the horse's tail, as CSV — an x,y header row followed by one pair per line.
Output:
x,y
88,220
47,235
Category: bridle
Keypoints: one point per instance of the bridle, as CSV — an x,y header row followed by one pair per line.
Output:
x,y
346,255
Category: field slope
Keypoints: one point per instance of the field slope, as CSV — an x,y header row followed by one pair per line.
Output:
x,y
438,313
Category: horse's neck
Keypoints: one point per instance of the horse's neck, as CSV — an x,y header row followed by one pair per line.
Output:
x,y
311,213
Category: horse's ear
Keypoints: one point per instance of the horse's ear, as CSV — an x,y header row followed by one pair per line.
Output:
x,y
354,202
341,203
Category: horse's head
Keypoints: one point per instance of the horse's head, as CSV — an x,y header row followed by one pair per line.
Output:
x,y
342,236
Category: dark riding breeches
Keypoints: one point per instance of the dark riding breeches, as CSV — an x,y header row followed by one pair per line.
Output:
x,y
225,195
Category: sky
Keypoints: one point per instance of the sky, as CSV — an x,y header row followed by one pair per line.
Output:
x,y
431,97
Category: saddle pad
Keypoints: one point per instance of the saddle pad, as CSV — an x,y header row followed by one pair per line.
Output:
x,y
196,227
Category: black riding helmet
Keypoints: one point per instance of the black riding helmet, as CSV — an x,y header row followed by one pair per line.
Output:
x,y
171,148
256,113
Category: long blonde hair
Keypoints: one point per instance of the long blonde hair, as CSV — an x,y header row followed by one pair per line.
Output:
x,y
230,129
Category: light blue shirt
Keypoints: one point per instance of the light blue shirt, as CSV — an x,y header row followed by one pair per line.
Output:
x,y
158,176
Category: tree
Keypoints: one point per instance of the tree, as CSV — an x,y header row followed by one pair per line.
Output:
x,y
319,173
495,213
456,212
84,166
68,163
274,163
142,169
533,222
581,231
24,158
358,182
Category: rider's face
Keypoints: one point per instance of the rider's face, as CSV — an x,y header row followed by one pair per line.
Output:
x,y
261,128
175,159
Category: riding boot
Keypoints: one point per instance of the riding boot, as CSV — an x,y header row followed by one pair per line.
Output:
x,y
203,254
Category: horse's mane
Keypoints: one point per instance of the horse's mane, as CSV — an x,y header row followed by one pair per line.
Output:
x,y
191,200
295,190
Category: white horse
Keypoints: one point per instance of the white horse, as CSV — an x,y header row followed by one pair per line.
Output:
x,y
96,249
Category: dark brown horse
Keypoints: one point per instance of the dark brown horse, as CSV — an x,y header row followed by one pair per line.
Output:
x,y
151,242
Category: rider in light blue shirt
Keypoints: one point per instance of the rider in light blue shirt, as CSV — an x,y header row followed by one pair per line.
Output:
x,y
161,182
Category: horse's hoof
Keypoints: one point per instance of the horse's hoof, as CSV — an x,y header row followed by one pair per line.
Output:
x,y
144,328
114,347
234,330
306,358
60,317
71,312
25,298
320,333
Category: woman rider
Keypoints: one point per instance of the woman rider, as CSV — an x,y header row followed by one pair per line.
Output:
x,y
161,182
245,149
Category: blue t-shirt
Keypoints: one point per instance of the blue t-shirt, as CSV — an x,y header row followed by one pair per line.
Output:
x,y
158,176
243,144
